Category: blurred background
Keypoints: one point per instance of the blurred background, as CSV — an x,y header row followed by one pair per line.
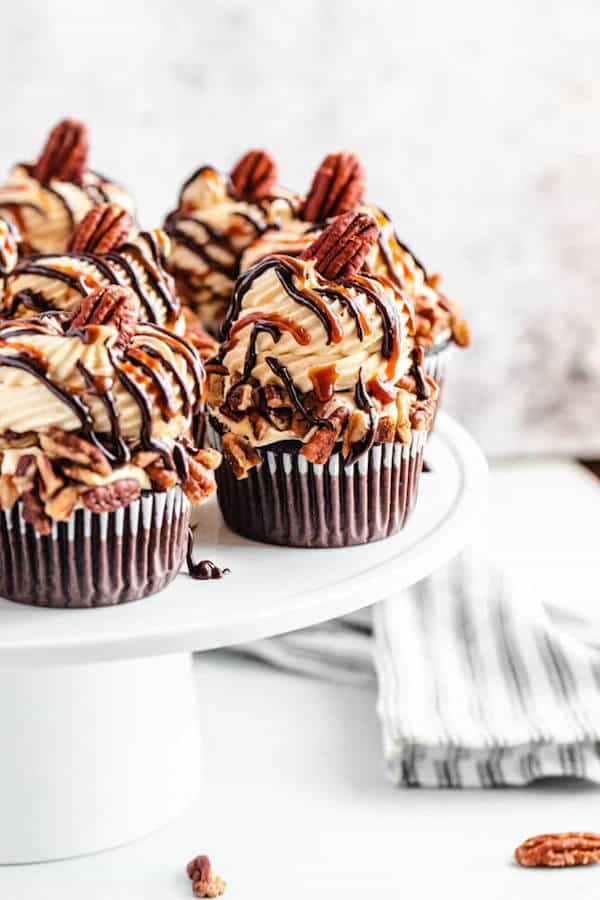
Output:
x,y
477,123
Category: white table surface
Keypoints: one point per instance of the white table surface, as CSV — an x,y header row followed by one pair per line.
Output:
x,y
296,803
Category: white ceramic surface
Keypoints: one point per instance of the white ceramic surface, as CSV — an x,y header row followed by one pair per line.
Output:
x,y
270,589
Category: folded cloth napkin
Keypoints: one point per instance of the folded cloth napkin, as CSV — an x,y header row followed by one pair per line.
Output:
x,y
475,688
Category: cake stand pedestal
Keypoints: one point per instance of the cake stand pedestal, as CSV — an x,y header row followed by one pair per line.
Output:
x,y
100,729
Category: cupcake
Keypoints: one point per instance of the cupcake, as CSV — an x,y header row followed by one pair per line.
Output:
x,y
317,398
48,198
10,240
217,217
337,187
97,467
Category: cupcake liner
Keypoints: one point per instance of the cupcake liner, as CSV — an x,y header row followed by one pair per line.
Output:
x,y
288,500
435,364
95,559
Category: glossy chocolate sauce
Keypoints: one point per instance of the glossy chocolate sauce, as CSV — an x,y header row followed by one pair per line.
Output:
x,y
205,570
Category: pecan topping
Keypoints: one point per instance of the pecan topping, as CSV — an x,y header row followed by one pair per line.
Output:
x,y
341,249
65,155
254,176
64,445
204,883
338,187
113,305
569,848
240,454
104,228
33,513
320,446
112,496
198,486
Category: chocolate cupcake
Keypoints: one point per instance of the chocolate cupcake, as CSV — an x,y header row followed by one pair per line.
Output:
x,y
48,198
337,187
217,217
97,467
317,399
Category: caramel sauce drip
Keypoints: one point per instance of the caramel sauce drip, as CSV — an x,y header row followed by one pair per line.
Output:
x,y
283,324
323,380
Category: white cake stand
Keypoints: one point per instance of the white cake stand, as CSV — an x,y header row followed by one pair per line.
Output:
x,y
100,732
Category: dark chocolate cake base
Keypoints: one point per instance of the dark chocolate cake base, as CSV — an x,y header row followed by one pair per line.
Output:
x,y
95,559
288,500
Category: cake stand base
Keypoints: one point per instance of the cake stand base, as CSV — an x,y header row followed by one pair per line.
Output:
x,y
94,755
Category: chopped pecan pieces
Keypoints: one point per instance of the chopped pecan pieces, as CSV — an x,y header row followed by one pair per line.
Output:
x,y
64,156
569,848
8,492
62,504
254,176
25,472
64,445
240,398
209,458
162,479
33,513
216,383
50,482
386,430
197,486
274,396
101,230
259,424
338,187
341,249
239,453
111,496
355,430
113,305
460,332
320,446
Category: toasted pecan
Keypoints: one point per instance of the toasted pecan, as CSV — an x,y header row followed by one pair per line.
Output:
x,y
320,446
65,445
114,305
239,454
33,513
338,187
569,848
254,176
341,249
101,230
65,153
111,496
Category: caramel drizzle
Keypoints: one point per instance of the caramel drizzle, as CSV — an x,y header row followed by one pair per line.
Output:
x,y
283,374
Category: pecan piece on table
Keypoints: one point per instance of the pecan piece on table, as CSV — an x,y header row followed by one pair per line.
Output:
x,y
101,230
64,156
65,445
338,187
108,497
204,883
341,249
239,453
254,176
114,305
568,848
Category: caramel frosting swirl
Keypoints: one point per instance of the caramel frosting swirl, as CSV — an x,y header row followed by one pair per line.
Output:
x,y
210,230
51,378
346,342
58,282
9,246
438,318
46,214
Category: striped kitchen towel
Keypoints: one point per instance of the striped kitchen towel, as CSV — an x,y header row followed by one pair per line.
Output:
x,y
475,689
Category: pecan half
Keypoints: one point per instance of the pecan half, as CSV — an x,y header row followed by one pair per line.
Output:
x,y
341,249
338,187
568,848
65,445
239,453
65,154
112,496
254,176
113,305
101,230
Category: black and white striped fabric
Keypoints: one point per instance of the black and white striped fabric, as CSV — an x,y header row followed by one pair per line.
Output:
x,y
475,689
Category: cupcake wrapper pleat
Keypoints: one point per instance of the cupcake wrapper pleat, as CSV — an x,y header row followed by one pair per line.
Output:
x,y
95,559
436,365
288,500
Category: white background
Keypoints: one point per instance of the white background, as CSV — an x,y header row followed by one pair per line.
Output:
x,y
478,123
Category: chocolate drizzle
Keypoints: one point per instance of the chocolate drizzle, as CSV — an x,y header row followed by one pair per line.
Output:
x,y
282,373
421,387
364,403
205,570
